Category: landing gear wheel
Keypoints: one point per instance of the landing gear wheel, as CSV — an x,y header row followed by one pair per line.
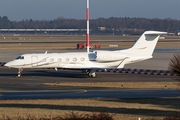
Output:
x,y
93,75
19,76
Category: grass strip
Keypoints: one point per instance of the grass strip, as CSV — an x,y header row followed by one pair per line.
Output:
x,y
121,109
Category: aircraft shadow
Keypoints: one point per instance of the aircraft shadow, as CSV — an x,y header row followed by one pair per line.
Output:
x,y
44,73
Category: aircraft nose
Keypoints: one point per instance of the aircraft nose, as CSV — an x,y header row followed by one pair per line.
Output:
x,y
8,64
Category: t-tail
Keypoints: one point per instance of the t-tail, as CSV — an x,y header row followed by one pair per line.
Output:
x,y
146,44
142,49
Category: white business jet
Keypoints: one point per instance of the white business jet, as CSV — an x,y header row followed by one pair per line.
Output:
x,y
90,61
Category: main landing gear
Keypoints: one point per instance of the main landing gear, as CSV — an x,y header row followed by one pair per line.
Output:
x,y
19,72
91,73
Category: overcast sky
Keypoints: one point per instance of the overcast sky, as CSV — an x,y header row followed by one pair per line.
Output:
x,y
51,9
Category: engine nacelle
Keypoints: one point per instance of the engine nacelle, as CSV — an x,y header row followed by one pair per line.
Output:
x,y
108,56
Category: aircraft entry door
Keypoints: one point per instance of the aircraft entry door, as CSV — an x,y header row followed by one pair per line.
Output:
x,y
34,61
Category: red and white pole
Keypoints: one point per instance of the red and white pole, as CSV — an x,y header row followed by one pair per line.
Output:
x,y
87,39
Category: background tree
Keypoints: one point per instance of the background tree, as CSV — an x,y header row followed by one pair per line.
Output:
x,y
120,25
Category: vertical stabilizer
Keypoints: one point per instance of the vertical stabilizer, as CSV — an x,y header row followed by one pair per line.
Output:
x,y
146,44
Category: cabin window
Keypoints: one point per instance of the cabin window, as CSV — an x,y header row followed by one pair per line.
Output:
x,y
59,59
74,59
20,58
82,59
67,59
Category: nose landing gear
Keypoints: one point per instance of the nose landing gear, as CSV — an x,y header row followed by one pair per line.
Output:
x,y
19,73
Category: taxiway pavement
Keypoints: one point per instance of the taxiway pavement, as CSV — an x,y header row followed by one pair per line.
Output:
x,y
90,94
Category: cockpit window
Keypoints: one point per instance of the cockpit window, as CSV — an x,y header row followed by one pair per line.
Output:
x,y
20,58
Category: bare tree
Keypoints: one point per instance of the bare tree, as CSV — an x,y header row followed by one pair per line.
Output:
x,y
174,65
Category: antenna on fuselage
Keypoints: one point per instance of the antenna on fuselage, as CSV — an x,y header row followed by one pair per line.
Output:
x,y
87,39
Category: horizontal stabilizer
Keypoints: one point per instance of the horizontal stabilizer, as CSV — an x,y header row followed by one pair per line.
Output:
x,y
155,33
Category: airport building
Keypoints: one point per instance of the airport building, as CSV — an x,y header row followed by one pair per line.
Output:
x,y
43,31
